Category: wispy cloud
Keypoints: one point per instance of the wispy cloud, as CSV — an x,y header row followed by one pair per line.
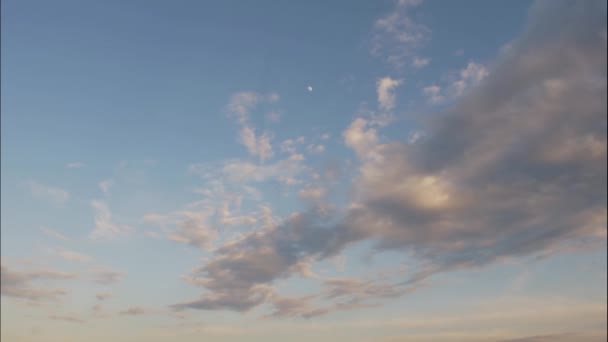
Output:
x,y
55,195
106,276
23,284
105,227
397,36
53,234
74,165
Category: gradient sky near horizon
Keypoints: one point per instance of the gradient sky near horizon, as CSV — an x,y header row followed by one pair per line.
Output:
x,y
340,170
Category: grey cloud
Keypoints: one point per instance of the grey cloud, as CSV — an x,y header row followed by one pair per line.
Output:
x,y
107,277
517,167
67,318
24,284
134,311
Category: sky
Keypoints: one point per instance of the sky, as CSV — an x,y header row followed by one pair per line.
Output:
x,y
402,171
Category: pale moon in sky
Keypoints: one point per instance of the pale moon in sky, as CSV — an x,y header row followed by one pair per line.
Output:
x,y
309,88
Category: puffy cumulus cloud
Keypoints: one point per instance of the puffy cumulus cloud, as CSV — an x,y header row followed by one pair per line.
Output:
x,y
105,227
397,36
362,138
515,168
495,176
31,285
55,195
386,92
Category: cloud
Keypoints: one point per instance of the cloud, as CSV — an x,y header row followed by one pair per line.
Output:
x,y
67,318
258,146
242,104
74,165
419,63
105,227
106,276
386,96
473,191
316,149
397,36
103,295
285,171
273,116
312,193
362,139
55,195
433,93
53,234
73,256
468,78
105,185
194,229
134,311
495,178
23,284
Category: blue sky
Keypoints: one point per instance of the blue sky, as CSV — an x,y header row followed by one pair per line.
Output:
x,y
346,170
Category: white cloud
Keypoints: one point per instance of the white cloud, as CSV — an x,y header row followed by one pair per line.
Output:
x,y
105,227
315,148
419,62
385,89
74,165
433,93
361,138
241,105
105,185
258,146
54,234
314,194
55,195
470,76
397,36
73,256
